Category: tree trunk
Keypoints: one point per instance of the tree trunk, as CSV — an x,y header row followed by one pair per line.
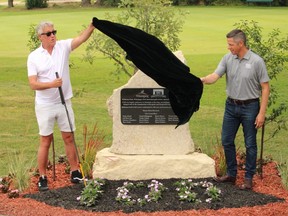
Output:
x,y
97,2
85,2
10,3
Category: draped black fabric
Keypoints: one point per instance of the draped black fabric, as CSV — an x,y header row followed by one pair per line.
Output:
x,y
153,58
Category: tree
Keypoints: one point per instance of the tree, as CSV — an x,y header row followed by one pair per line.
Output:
x,y
98,2
154,17
10,3
33,42
85,2
274,52
30,4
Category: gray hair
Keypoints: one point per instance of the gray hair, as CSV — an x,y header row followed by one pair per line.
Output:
x,y
237,35
39,28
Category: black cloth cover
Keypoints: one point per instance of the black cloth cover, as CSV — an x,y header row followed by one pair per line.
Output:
x,y
153,58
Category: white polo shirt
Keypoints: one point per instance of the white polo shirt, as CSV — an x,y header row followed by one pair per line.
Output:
x,y
44,66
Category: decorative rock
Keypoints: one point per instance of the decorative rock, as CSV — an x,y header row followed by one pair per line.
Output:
x,y
146,139
141,152
140,167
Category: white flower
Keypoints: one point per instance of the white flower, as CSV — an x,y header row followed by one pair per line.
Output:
x,y
208,200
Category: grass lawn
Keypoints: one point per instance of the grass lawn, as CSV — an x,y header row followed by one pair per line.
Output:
x,y
203,44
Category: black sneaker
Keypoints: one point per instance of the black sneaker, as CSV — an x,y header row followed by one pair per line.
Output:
x,y
76,177
43,183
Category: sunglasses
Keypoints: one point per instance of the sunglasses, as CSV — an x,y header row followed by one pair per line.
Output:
x,y
48,34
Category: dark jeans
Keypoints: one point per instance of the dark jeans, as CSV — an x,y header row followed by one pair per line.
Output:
x,y
234,116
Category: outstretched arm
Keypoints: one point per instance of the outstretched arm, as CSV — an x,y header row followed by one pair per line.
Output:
x,y
76,42
210,79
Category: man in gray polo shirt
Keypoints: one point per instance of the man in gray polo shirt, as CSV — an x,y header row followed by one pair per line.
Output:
x,y
246,81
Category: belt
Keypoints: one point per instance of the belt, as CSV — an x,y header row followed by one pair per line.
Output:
x,y
242,102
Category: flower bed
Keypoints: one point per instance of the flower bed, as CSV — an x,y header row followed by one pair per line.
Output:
x,y
61,199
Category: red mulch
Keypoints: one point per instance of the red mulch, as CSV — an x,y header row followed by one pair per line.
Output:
x,y
270,184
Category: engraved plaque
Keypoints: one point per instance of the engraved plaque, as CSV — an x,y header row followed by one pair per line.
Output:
x,y
146,106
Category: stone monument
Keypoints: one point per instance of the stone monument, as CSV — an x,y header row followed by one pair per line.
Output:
x,y
143,150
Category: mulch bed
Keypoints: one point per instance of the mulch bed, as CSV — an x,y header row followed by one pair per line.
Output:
x,y
267,198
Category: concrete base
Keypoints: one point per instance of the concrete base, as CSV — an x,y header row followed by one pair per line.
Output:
x,y
140,167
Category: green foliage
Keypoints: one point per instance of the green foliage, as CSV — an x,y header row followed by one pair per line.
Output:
x,y
185,188
154,17
125,196
110,3
186,2
19,170
226,2
213,193
92,192
274,52
90,146
277,119
33,42
156,190
282,2
36,4
209,2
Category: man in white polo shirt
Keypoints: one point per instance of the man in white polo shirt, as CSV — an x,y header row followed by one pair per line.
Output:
x,y
246,81
53,56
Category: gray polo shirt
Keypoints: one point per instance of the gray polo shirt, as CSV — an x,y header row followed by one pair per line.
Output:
x,y
243,76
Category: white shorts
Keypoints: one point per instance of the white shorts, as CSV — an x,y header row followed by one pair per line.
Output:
x,y
48,114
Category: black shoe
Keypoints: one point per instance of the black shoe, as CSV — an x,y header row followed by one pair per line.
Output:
x,y
76,177
43,183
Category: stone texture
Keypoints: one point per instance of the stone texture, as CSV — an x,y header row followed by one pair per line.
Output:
x,y
148,139
141,152
140,167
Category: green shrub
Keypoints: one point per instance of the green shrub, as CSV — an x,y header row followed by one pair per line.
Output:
x,y
33,42
111,2
227,2
209,2
92,192
19,171
36,4
185,2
